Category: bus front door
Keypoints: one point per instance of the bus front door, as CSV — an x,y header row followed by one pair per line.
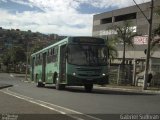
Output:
x,y
44,67
62,63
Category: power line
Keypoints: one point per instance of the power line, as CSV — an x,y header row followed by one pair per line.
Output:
x,y
141,10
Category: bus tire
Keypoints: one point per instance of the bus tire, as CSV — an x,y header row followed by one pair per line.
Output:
x,y
36,78
59,86
40,84
88,87
62,86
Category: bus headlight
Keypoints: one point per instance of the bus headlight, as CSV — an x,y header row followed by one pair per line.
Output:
x,y
74,74
103,74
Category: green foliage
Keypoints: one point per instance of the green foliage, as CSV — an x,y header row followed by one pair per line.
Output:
x,y
17,44
6,59
156,42
15,37
111,44
13,56
157,30
36,47
125,35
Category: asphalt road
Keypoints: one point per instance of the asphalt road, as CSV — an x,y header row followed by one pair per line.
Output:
x,y
76,102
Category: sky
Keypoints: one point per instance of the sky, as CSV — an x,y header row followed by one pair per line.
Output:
x,y
62,17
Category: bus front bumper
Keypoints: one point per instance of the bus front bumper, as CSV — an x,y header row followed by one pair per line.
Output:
x,y
77,81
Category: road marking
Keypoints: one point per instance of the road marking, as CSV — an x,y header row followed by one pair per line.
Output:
x,y
57,108
28,99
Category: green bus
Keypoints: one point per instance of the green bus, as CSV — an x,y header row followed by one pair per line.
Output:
x,y
73,61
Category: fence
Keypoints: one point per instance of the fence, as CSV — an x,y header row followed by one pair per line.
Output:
x,y
120,74
133,74
155,68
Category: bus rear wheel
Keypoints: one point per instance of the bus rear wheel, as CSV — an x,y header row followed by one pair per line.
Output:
x,y
59,86
40,84
88,87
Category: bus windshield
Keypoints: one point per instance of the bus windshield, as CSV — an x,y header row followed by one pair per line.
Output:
x,y
85,54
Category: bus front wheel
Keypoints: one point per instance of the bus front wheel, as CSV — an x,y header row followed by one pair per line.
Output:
x,y
88,87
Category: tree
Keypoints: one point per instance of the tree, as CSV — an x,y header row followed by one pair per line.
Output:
x,y
111,44
125,34
157,30
6,59
13,56
156,42
36,47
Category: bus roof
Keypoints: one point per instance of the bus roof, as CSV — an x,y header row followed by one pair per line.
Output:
x,y
59,42
50,46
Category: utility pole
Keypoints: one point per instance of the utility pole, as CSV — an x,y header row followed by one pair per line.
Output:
x,y
26,76
148,46
149,41
27,54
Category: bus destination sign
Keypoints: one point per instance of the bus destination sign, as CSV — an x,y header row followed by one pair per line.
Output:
x,y
88,40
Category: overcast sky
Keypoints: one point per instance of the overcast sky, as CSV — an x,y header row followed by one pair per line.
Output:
x,y
63,17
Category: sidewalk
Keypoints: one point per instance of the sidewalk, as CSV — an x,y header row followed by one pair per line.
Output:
x,y
136,89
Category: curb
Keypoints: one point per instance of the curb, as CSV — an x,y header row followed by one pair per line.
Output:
x,y
129,90
5,86
149,91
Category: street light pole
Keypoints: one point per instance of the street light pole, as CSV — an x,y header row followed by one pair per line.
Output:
x,y
148,46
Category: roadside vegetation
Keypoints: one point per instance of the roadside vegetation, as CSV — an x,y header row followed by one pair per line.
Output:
x,y
156,32
16,44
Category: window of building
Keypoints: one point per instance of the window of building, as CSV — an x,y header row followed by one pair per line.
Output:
x,y
106,20
125,17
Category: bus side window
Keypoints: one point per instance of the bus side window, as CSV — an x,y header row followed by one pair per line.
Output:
x,y
36,62
40,58
51,51
50,56
55,52
48,53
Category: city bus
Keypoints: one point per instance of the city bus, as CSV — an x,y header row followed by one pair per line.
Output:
x,y
73,61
